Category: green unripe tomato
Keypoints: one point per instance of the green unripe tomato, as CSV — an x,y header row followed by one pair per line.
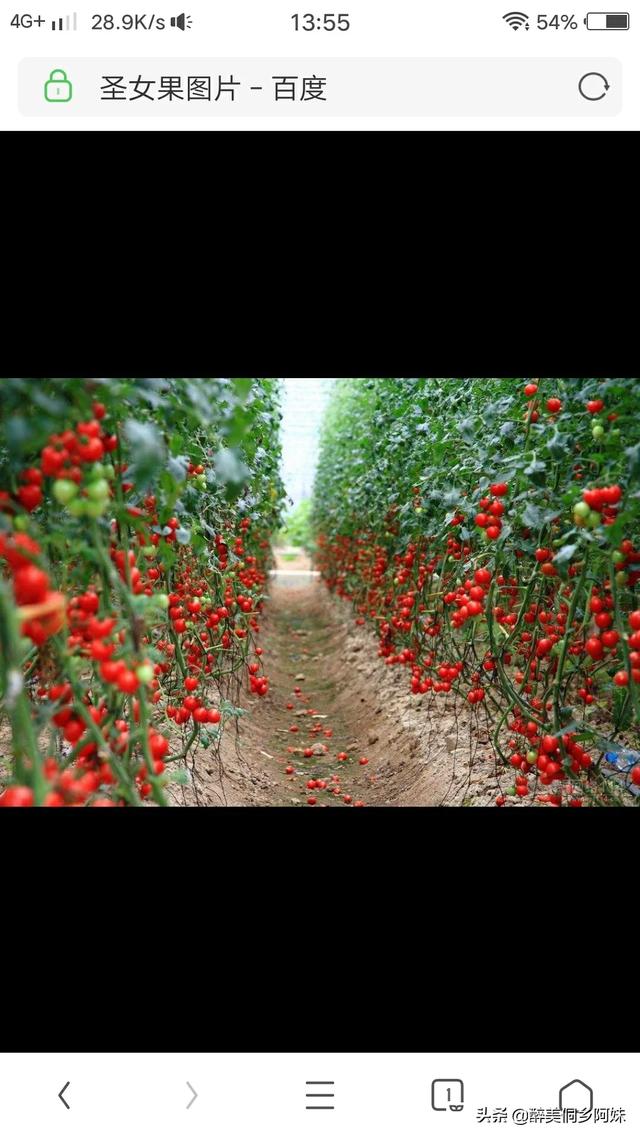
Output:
x,y
419,510
162,600
581,510
150,552
615,434
531,757
594,519
95,509
110,471
64,491
145,673
189,624
622,577
98,490
511,792
618,557
77,508
201,482
22,525
598,433
97,471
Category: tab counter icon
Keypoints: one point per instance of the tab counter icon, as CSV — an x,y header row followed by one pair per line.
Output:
x,y
447,1094
57,88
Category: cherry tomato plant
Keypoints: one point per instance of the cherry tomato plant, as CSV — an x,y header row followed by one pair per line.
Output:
x,y
135,523
490,531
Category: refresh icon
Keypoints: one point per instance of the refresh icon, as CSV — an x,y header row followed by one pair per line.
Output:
x,y
593,86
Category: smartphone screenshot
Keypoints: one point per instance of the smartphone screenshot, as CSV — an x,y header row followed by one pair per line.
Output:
x,y
256,65
320,594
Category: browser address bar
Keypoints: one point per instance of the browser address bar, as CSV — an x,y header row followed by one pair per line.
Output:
x,y
307,87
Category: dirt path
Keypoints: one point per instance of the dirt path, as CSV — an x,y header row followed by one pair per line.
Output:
x,y
292,561
312,734
331,696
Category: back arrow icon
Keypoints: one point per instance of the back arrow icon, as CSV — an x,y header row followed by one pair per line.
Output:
x,y
61,1094
195,1095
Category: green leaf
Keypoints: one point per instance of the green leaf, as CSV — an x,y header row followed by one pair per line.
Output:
x,y
467,430
565,554
230,468
147,449
558,445
532,516
243,387
177,468
633,455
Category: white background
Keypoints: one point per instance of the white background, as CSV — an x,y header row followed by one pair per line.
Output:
x,y
264,27
259,1096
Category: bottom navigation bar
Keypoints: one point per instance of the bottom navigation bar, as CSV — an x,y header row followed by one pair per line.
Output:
x,y
323,1095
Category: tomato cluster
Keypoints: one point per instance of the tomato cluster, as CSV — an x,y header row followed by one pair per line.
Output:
x,y
41,609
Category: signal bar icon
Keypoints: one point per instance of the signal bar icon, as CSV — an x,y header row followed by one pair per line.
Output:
x,y
65,23
517,20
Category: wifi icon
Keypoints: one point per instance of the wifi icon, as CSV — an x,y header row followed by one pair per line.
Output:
x,y
516,20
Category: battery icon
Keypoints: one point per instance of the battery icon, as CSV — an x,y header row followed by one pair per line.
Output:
x,y
607,21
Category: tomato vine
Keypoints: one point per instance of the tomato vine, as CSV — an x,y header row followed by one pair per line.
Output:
x,y
135,523
490,530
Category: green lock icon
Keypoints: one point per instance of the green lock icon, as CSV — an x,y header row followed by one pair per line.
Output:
x,y
58,89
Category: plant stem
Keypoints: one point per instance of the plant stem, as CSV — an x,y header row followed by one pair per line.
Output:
x,y
16,699
154,781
